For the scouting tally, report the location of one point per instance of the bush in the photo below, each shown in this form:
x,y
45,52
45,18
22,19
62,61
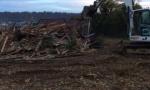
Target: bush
x,y
112,21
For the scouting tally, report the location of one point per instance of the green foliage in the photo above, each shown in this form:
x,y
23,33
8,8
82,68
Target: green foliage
x,y
71,42
137,6
112,21
47,42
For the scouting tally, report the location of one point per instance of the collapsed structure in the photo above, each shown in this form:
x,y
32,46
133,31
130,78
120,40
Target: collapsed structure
x,y
59,38
52,37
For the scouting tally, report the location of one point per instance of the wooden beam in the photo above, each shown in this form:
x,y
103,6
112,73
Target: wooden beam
x,y
4,44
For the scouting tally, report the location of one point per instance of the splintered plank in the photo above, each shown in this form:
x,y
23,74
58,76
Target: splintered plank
x,y
4,44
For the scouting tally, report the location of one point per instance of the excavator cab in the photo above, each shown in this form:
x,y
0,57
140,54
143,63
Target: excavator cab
x,y
139,32
141,26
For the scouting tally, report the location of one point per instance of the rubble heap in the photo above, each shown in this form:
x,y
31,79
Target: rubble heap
x,y
57,38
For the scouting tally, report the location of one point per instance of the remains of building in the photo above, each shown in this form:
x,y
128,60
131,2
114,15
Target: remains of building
x,y
49,39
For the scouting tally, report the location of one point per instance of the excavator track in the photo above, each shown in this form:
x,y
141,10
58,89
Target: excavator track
x,y
137,48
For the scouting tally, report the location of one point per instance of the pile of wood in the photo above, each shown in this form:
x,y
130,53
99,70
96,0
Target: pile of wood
x,y
56,38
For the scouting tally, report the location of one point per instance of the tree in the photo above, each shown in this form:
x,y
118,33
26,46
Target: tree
x,y
113,20
137,6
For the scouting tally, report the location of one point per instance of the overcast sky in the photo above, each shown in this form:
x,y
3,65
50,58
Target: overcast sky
x,y
44,5
49,5
145,3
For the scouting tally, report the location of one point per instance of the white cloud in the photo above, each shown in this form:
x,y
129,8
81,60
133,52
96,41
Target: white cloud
x,y
145,4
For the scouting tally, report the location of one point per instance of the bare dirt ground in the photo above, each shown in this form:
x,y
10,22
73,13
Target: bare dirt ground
x,y
101,70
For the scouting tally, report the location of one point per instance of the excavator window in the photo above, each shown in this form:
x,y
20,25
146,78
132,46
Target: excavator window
x,y
141,23
146,17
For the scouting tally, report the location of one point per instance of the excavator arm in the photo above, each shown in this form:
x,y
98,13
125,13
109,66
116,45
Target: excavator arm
x,y
90,11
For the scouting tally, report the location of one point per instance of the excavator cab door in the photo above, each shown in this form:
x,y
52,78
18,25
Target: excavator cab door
x,y
141,23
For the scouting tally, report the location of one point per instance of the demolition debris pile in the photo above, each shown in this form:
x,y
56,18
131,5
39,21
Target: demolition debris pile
x,y
55,38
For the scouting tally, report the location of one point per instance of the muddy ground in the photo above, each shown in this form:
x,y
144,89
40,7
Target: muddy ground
x,y
99,70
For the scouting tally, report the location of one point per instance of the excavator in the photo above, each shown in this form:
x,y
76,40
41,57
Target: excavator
x,y
138,25
138,29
